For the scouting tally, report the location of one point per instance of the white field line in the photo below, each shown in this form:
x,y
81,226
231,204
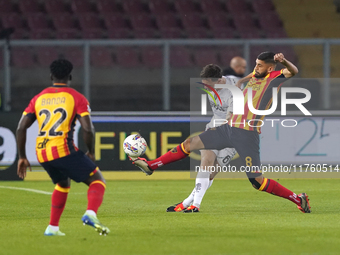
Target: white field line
x,y
25,189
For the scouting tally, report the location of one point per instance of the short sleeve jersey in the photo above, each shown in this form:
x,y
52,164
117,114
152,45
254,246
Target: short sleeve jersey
x,y
56,109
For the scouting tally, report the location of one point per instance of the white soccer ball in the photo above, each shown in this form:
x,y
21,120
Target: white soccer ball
x,y
134,145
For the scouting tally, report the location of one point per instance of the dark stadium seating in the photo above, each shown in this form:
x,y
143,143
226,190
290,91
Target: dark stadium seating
x,y
29,6
197,32
101,57
68,33
142,20
37,21
262,6
12,19
210,7
63,21
22,57
107,6
71,18
218,20
39,26
144,33
158,7
81,6
237,6
167,20
171,32
127,57
133,6
249,33
185,6
205,56
45,55
277,33
139,19
6,6
114,21
227,53
270,21
55,6
89,21
224,33
94,33
152,57
119,33
192,20
40,34
180,57
244,21
75,55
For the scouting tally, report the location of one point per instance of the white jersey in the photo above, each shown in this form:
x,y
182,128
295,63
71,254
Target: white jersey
x,y
221,111
225,155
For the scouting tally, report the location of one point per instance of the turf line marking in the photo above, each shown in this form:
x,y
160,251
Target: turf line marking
x,y
26,189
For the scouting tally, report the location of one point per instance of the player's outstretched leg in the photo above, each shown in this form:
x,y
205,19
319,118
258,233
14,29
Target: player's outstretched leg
x,y
201,186
273,187
58,202
177,153
203,180
95,196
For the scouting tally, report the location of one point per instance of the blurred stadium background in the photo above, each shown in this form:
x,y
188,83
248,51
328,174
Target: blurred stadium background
x,y
134,57
129,52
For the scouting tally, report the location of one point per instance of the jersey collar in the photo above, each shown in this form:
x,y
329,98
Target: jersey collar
x,y
59,85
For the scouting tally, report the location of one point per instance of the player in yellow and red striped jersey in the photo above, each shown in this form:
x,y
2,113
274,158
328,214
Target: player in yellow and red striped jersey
x,y
57,108
242,137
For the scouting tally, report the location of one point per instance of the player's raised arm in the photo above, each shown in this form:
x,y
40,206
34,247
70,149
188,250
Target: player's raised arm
x,y
24,123
290,69
243,80
88,135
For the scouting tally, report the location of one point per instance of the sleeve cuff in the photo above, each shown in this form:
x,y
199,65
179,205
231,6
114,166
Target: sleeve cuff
x,y
84,114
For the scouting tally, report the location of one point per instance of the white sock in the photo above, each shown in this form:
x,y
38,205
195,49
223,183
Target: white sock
x,y
202,184
53,228
91,213
189,199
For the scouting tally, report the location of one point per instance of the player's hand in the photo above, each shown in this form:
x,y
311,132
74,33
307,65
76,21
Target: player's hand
x,y
23,164
279,57
91,156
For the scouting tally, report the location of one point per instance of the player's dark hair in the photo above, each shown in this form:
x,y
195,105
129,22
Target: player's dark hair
x,y
61,69
267,57
211,71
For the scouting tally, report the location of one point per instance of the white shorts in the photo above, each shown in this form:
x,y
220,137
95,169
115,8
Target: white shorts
x,y
224,156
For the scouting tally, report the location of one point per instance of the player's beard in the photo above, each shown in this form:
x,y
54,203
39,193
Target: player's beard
x,y
261,75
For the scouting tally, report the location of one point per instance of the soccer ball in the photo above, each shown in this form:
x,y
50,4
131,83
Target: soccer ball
x,y
134,145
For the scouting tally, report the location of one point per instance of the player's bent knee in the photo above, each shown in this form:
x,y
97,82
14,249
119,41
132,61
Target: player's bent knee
x,y
255,183
186,145
97,176
193,143
65,183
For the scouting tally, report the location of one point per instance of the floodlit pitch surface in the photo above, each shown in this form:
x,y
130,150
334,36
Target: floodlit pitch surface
x,y
234,219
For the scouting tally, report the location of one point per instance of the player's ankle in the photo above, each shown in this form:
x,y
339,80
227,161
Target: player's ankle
x,y
91,213
53,228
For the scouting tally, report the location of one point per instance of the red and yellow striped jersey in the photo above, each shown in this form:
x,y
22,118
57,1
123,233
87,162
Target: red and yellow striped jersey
x,y
56,109
262,100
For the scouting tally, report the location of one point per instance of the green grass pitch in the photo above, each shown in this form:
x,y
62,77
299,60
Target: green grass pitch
x,y
234,219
